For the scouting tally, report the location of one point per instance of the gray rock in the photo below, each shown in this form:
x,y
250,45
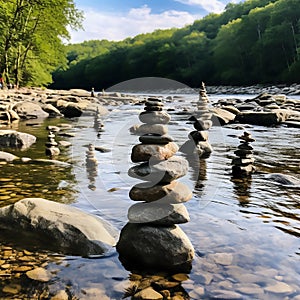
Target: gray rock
x,y
262,118
162,172
175,192
284,179
145,152
155,117
7,156
15,139
223,116
58,227
51,110
29,110
152,128
162,248
158,214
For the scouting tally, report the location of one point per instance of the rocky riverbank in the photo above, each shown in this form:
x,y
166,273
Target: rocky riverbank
x,y
293,89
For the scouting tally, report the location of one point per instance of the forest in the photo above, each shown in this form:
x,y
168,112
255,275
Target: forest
x,y
252,42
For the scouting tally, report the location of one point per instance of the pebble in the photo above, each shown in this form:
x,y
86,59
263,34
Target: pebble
x,y
39,274
279,288
224,259
12,289
148,294
61,295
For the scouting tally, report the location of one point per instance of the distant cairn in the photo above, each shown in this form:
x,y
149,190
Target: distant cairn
x,y
242,164
51,145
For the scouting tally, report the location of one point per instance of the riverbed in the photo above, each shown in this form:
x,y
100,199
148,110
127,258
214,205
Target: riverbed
x,y
245,232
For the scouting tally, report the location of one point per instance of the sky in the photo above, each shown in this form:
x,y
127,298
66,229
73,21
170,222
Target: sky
x,y
116,20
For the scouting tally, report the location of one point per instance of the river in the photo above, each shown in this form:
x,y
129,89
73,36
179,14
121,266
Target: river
x,y
245,233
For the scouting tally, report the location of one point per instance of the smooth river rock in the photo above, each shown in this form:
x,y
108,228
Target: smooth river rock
x,y
161,172
158,214
15,139
154,117
174,192
145,152
7,156
161,248
58,227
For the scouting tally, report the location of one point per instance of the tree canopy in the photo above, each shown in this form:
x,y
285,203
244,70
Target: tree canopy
x,y
31,38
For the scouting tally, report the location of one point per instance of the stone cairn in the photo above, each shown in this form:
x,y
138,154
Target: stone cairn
x,y
242,164
98,124
152,238
198,139
91,164
51,145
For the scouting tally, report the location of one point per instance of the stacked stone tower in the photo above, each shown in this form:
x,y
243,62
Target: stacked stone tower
x,y
152,237
98,124
91,164
243,162
51,146
198,139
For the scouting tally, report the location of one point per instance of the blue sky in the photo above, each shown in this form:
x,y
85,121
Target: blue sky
x,y
119,19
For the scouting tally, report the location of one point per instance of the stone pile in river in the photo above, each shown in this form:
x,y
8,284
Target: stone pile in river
x,y
91,164
51,146
98,124
152,237
243,162
198,139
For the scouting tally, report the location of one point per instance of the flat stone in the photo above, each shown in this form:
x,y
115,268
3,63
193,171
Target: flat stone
x,y
12,289
153,108
175,192
7,156
154,103
61,295
224,294
245,146
158,214
161,172
279,288
39,274
148,294
154,117
146,152
155,139
224,259
152,128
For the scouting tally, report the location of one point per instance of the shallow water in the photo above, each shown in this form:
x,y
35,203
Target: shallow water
x,y
245,233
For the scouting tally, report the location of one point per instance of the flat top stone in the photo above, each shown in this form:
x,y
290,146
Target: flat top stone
x,y
155,139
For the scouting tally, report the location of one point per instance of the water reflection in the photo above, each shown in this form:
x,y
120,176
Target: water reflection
x,y
241,188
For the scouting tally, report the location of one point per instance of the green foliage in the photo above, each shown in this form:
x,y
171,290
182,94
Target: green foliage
x,y
256,41
31,38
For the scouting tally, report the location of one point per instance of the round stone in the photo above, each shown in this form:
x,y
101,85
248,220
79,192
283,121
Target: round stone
x,y
145,152
175,192
155,247
155,117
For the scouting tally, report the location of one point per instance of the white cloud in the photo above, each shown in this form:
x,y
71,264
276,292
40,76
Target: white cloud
x,y
209,5
102,25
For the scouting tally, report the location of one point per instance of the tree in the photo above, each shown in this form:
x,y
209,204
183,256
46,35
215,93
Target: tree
x,y
31,38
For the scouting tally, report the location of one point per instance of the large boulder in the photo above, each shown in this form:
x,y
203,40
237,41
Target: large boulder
x,y
263,118
15,139
222,116
58,227
29,110
161,248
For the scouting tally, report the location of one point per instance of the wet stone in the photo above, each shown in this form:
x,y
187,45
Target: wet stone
x,y
152,128
245,146
202,125
145,152
12,289
154,117
198,136
161,172
153,108
154,103
148,294
279,288
175,192
39,274
158,214
155,139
